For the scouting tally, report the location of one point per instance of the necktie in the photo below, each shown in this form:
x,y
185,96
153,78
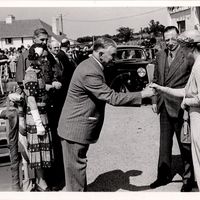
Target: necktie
x,y
59,63
56,58
167,64
170,58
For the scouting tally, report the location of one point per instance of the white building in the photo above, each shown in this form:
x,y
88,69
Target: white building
x,y
14,33
184,18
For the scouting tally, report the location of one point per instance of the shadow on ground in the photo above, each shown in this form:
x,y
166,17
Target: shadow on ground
x,y
115,180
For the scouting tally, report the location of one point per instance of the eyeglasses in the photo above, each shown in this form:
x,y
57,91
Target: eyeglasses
x,y
43,39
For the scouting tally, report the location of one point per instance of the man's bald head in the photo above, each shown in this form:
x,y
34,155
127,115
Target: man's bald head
x,y
55,47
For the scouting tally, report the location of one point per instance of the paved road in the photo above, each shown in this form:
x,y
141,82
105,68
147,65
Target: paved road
x,y
125,157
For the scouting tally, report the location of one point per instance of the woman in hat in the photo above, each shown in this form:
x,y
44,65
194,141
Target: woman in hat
x,y
191,94
37,127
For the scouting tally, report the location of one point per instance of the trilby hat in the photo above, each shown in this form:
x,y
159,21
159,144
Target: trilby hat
x,y
189,38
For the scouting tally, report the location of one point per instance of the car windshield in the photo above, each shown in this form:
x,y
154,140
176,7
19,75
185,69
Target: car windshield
x,y
127,54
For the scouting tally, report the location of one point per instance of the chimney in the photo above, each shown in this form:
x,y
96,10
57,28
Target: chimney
x,y
60,24
10,19
55,25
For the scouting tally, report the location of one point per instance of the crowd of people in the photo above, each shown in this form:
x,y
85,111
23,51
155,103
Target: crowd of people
x,y
10,57
57,109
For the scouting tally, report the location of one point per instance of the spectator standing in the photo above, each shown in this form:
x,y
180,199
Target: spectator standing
x,y
37,125
4,62
172,69
13,60
191,101
11,114
67,72
58,64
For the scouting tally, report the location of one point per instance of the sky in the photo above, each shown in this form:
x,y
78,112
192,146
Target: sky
x,y
95,19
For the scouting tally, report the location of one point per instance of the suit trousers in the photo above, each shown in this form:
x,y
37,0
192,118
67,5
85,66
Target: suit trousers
x,y
169,126
55,175
12,116
75,163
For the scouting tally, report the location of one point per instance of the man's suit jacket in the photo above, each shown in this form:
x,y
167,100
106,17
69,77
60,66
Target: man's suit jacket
x,y
177,77
67,69
83,112
22,64
63,71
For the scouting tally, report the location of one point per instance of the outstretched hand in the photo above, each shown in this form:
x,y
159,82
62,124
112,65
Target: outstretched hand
x,y
157,87
148,92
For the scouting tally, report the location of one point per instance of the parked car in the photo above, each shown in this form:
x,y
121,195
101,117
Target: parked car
x,y
131,70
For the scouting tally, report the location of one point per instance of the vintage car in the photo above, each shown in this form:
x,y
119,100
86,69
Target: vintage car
x,y
131,70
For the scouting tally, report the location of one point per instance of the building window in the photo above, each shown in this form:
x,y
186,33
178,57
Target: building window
x,y
181,26
9,40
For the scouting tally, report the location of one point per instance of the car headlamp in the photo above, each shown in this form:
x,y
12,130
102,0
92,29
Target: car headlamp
x,y
141,72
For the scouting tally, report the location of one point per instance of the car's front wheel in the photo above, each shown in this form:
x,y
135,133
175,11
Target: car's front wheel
x,y
121,83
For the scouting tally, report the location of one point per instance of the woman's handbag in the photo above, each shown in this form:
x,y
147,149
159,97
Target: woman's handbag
x,y
185,130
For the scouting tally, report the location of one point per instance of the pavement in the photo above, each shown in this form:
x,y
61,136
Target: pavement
x,y
125,157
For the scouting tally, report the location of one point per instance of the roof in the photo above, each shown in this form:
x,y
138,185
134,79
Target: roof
x,y
25,28
49,31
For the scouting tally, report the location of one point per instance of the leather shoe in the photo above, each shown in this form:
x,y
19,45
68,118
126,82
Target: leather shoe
x,y
186,188
56,188
159,182
40,189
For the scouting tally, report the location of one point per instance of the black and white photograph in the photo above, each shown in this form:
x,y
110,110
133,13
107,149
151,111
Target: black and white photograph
x,y
99,99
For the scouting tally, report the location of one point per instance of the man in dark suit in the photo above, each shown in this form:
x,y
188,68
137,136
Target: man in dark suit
x,y
172,69
83,112
63,71
67,72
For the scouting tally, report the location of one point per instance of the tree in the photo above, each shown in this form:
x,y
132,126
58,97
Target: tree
x,y
145,30
125,33
155,27
107,36
84,39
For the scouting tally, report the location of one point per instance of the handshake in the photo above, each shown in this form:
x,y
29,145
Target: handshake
x,y
153,89
148,91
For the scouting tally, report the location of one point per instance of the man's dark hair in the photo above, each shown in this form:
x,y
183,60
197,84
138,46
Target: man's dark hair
x,y
169,28
152,41
65,43
39,31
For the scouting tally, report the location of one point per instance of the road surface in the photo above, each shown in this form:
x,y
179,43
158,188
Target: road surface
x,y
125,157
